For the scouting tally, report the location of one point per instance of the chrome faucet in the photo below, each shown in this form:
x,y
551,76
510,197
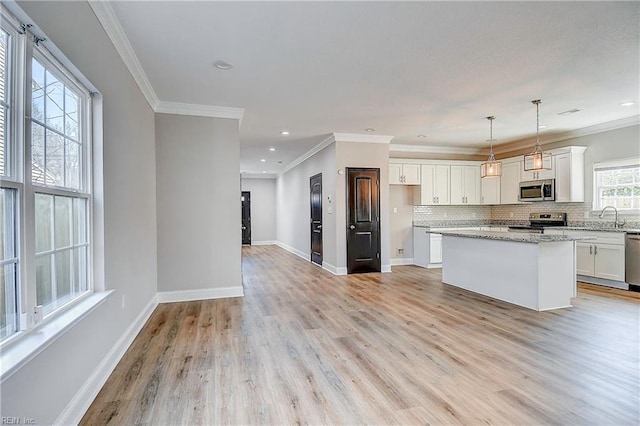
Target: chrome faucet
x,y
616,223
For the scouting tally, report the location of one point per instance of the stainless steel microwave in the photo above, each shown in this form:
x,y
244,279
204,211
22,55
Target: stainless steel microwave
x,y
538,190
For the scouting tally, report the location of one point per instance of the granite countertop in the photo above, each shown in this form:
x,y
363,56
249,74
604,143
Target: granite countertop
x,y
521,237
588,228
632,227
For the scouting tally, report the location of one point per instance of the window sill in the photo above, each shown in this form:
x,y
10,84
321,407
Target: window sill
x,y
30,343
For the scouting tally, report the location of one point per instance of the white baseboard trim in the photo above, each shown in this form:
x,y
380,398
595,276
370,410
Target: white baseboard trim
x,y
305,256
385,269
334,269
402,261
602,281
202,294
79,404
262,243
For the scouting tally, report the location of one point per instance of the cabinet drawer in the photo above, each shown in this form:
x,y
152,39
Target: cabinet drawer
x,y
603,237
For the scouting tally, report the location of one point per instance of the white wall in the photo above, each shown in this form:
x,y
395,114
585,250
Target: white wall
x,y
45,385
356,154
198,192
263,208
293,206
401,220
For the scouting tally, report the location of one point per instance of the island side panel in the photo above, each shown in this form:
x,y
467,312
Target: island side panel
x,y
504,270
557,269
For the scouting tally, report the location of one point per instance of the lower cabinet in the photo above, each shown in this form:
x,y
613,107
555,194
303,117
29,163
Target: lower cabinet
x,y
600,258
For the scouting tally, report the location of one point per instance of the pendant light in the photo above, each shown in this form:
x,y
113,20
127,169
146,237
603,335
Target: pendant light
x,y
491,168
538,159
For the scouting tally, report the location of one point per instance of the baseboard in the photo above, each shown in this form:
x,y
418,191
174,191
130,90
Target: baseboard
x,y
334,269
402,261
202,294
385,269
80,403
262,243
305,256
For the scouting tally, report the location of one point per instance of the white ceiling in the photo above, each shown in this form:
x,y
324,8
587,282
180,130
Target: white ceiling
x,y
401,68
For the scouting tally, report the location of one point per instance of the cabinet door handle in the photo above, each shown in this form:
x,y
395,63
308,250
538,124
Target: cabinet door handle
x,y
595,250
590,249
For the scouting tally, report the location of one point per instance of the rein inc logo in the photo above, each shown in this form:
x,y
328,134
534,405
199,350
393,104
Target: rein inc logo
x,y
17,421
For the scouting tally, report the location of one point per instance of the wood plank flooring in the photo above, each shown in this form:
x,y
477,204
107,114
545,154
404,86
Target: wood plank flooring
x,y
306,347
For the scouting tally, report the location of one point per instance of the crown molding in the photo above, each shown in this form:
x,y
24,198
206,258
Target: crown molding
x,y
355,137
621,123
313,151
437,149
164,107
109,21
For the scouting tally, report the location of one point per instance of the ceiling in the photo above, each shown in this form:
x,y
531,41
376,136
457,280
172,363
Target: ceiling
x,y
404,69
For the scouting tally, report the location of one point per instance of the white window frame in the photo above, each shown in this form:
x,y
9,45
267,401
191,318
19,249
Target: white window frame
x,y
23,49
612,165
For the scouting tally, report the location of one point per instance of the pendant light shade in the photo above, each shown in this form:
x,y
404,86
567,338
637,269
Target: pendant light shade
x,y
538,159
491,168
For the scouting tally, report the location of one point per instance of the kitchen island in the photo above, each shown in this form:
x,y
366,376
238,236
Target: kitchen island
x,y
535,271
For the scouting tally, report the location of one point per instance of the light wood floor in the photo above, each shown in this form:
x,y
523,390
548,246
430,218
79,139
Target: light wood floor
x,y
304,346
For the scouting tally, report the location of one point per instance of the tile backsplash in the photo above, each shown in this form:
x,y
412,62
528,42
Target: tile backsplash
x,y
576,213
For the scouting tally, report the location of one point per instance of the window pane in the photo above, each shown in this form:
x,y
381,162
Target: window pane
x,y
80,221
8,301
4,75
44,218
3,141
44,294
62,221
54,102
80,277
72,168
38,174
71,114
7,224
54,167
63,276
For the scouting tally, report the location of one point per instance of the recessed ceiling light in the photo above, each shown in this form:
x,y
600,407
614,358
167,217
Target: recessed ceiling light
x,y
421,136
272,149
222,65
284,133
628,103
369,129
264,171
263,160
542,126
571,111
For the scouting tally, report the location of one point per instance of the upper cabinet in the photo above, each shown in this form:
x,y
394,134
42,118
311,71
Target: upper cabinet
x,y
404,174
434,187
569,167
510,182
490,190
465,184
539,174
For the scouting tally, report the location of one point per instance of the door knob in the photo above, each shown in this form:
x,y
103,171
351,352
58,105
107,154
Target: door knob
x,y
319,226
244,227
352,227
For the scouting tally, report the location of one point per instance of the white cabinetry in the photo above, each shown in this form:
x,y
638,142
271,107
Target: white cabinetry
x,y
601,258
465,184
427,247
490,190
404,174
434,189
570,175
510,183
527,175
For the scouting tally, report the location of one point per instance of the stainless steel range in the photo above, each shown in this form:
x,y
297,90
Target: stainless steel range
x,y
539,221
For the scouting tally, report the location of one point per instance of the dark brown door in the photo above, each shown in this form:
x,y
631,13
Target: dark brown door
x,y
246,217
363,220
316,218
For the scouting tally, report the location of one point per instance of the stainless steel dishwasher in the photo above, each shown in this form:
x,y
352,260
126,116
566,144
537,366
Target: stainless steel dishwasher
x,y
632,260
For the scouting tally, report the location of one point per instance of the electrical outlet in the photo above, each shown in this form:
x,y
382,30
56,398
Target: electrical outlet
x,y
400,251
445,214
511,214
473,215
395,210
586,215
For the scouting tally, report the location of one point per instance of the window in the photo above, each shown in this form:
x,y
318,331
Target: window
x,y
45,196
617,184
